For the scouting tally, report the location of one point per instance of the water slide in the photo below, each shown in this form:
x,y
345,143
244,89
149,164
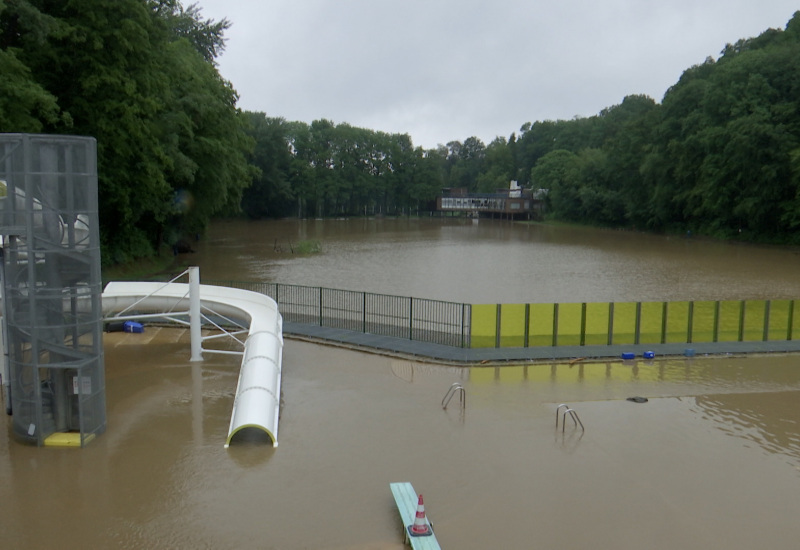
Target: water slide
x,y
257,402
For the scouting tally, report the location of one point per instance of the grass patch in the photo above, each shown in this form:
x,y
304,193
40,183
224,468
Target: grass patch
x,y
307,247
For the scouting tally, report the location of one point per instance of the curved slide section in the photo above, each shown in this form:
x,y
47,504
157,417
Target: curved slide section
x,y
257,402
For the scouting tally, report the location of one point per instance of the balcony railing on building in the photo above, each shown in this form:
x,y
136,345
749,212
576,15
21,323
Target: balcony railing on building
x,y
513,203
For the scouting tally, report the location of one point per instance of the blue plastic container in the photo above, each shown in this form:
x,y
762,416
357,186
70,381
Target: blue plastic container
x,y
132,326
649,354
628,355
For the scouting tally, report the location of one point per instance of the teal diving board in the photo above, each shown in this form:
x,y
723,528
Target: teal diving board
x,y
407,500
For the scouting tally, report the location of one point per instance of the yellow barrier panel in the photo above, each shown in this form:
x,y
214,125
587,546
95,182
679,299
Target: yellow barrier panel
x,y
512,325
677,321
596,324
651,323
624,323
704,320
484,326
754,320
540,325
779,319
569,324
578,324
728,323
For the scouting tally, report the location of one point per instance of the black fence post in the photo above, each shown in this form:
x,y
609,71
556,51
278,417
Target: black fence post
x,y
741,320
527,325
583,323
320,306
555,325
497,326
410,318
463,324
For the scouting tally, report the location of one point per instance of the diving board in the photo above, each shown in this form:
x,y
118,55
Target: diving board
x,y
407,499
257,401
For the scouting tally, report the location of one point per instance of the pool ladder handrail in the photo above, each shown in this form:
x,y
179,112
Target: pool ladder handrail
x,y
462,394
572,413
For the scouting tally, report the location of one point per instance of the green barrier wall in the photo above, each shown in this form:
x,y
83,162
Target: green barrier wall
x,y
624,323
541,321
586,324
597,319
484,326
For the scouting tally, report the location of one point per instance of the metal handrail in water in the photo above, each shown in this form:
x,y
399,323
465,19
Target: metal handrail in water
x,y
456,387
574,415
558,409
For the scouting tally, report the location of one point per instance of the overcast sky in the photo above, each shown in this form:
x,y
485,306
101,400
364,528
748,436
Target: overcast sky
x,y
444,70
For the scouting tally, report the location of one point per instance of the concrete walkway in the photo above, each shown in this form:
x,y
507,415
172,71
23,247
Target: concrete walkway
x,y
424,351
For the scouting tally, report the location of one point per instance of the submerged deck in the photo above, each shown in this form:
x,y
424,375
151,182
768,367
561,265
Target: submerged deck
x,y
449,354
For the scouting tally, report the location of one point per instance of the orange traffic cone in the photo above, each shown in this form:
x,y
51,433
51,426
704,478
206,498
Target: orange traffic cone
x,y
421,527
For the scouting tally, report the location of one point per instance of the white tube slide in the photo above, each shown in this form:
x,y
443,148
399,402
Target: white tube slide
x,y
257,402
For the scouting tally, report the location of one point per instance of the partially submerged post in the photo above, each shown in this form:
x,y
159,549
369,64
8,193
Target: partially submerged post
x,y
195,319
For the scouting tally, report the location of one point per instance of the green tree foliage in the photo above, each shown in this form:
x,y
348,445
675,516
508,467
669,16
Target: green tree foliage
x,y
325,169
558,171
271,192
465,163
138,75
25,106
499,167
719,156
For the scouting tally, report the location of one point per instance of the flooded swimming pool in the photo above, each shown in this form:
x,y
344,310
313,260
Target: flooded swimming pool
x,y
712,460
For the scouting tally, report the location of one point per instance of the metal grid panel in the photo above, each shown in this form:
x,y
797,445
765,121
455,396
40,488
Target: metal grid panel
x,y
299,304
388,315
52,285
440,322
342,309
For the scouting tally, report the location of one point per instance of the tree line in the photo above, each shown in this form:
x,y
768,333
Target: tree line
x,y
720,155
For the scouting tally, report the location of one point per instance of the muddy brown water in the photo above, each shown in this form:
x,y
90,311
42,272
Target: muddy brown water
x,y
495,262
712,460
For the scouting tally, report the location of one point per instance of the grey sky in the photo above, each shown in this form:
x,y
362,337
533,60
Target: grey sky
x,y
444,70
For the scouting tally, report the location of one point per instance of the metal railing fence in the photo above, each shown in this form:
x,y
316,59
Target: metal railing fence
x,y
420,319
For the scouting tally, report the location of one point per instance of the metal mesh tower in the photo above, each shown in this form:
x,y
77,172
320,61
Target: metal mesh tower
x,y
52,287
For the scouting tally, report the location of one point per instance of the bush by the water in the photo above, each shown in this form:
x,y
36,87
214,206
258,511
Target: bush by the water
x,y
307,247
